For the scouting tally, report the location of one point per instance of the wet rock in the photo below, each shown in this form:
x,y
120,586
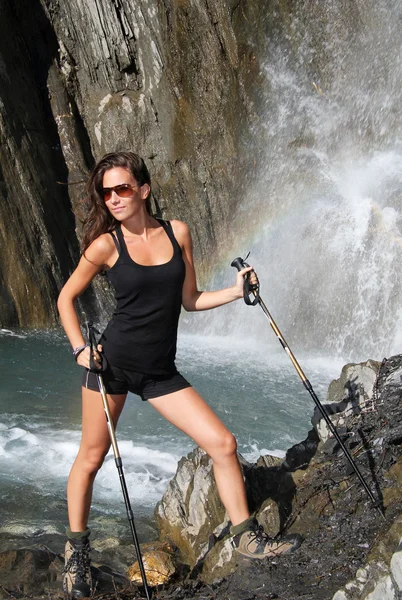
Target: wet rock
x,y
159,563
29,571
317,495
191,509
300,455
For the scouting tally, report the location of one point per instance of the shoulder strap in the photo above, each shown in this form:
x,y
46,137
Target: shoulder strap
x,y
116,241
167,226
123,248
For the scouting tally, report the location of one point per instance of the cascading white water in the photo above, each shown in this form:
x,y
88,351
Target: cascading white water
x,y
322,218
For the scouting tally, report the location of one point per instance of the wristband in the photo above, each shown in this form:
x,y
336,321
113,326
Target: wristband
x,y
77,351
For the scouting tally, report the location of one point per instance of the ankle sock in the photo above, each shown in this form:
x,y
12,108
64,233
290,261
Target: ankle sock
x,y
243,526
76,535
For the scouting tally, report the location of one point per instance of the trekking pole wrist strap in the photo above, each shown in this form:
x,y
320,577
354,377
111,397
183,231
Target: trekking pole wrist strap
x,y
248,288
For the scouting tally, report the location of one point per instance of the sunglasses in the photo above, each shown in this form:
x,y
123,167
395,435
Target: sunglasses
x,y
124,190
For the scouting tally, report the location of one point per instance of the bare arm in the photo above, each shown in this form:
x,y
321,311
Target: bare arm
x,y
194,299
96,258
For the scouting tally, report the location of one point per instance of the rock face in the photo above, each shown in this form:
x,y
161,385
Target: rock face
x,y
81,78
37,238
312,492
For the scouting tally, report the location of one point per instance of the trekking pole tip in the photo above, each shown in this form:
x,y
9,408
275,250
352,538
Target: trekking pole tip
x,y
380,509
379,506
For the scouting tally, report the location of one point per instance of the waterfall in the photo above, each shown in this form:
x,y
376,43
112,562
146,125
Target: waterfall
x,y
321,214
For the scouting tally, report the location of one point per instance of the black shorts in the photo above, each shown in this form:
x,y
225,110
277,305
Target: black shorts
x,y
118,381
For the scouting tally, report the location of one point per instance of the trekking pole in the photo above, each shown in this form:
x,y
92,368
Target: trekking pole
x,y
249,289
117,457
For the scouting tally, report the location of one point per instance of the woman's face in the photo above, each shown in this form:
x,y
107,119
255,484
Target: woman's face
x,y
122,194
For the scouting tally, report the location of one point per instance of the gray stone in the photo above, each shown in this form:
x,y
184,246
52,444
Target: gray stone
x,y
396,569
384,590
340,595
362,575
352,393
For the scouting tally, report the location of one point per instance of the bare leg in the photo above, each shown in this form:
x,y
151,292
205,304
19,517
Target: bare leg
x,y
189,412
95,443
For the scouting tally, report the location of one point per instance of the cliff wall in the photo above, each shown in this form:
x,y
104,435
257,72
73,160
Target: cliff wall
x,y
81,78
178,81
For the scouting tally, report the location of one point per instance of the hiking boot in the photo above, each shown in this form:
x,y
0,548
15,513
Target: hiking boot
x,y
255,543
77,581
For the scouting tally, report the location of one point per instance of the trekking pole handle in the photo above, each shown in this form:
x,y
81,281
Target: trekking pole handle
x,y
239,264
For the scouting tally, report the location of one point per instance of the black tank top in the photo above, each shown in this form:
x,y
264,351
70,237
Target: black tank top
x,y
142,334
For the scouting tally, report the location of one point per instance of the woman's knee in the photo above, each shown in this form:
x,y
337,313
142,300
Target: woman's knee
x,y
226,446
90,460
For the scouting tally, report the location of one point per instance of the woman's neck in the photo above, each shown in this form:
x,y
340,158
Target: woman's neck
x,y
138,225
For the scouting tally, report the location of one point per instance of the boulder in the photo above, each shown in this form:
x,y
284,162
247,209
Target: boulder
x,y
352,393
159,564
190,509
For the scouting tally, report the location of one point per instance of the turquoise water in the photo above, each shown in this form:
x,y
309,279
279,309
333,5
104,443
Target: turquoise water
x,y
255,391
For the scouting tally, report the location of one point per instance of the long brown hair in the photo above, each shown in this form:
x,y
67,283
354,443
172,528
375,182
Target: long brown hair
x,y
98,219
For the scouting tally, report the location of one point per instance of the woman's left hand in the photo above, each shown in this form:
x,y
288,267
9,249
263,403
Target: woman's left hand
x,y
239,286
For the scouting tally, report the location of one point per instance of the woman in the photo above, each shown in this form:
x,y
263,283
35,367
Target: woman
x,y
150,264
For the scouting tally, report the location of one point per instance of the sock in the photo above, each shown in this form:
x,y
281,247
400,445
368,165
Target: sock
x,y
243,526
76,535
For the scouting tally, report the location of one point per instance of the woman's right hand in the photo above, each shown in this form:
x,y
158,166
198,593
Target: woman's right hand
x,y
83,359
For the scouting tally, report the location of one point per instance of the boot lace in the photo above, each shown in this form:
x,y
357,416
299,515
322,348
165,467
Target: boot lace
x,y
261,536
78,564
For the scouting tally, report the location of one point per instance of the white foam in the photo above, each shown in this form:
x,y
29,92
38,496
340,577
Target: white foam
x,y
147,472
255,452
44,459
8,332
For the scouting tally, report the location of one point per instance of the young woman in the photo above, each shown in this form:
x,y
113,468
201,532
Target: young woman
x,y
150,265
